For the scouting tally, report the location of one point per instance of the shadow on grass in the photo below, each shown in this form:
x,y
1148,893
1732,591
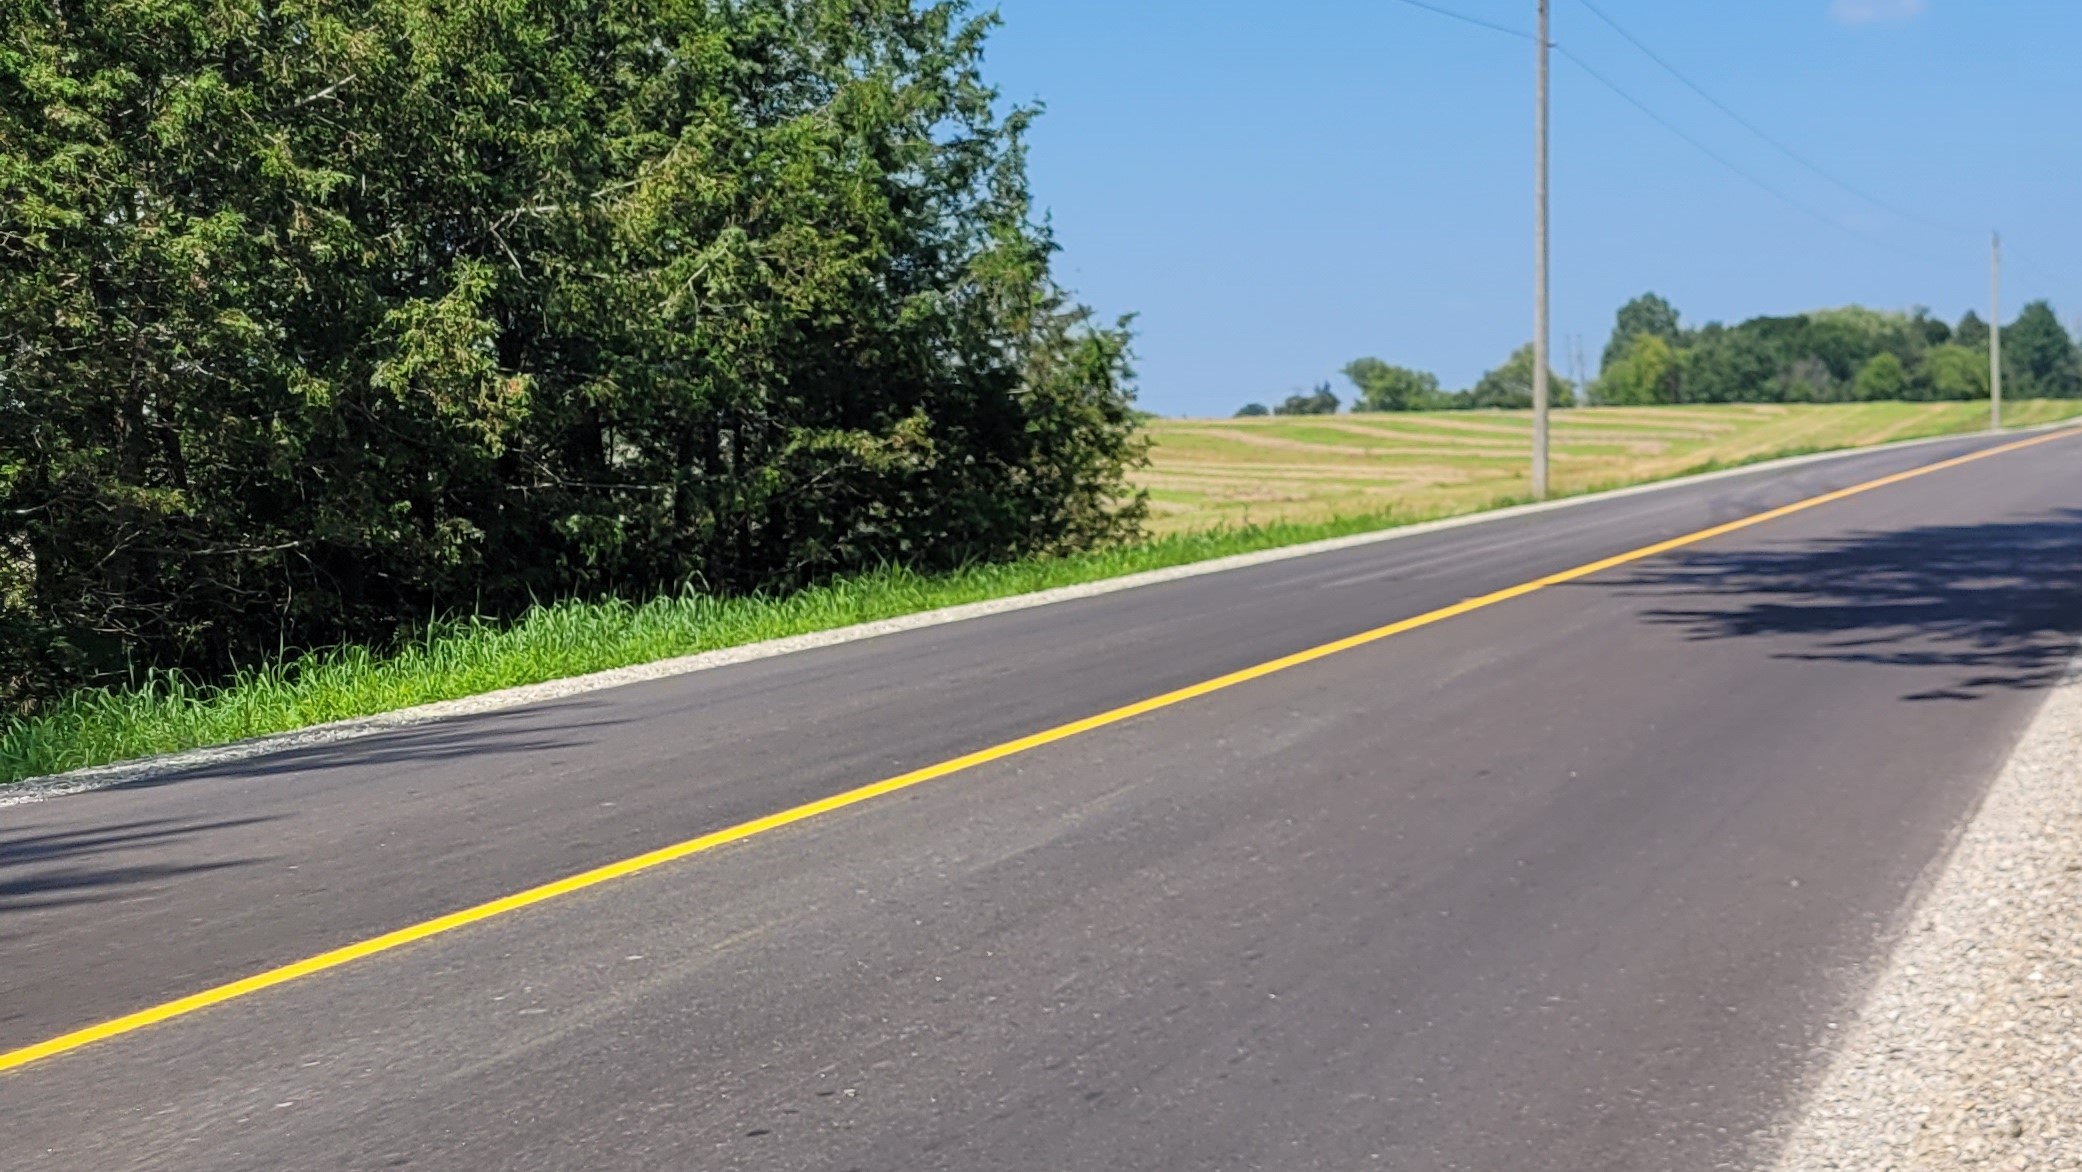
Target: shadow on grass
x,y
1971,608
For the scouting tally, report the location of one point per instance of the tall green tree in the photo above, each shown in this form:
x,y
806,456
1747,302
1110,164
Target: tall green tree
x,y
1385,387
2040,355
1646,314
1971,332
1648,372
319,318
1511,385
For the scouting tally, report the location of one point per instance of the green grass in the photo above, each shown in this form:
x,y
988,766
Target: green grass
x,y
168,713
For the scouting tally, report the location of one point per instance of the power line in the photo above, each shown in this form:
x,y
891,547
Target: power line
x,y
1723,160
1761,184
1759,131
2019,260
1477,21
1701,147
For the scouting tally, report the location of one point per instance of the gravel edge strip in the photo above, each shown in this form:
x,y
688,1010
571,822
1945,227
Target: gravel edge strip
x,y
102,776
1968,1050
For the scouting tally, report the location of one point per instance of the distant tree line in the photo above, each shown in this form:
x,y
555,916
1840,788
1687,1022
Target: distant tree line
x,y
1382,386
1831,356
1851,354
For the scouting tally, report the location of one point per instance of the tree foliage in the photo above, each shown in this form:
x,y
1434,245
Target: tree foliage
x,y
1321,401
1511,385
319,318
1383,387
1646,373
1950,371
1647,314
1843,354
1971,332
2039,356
1830,355
1883,377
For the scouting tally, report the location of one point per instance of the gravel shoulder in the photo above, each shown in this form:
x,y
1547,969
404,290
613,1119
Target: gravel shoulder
x,y
1968,1050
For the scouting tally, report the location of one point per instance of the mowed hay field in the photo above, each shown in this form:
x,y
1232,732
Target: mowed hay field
x,y
1216,473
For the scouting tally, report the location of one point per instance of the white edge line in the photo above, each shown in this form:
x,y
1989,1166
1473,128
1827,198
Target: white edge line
x,y
102,776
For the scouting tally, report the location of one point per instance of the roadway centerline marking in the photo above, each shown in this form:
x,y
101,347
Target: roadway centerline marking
x,y
181,1007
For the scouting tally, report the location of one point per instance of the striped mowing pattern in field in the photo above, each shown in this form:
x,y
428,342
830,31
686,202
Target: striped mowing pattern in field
x,y
1218,472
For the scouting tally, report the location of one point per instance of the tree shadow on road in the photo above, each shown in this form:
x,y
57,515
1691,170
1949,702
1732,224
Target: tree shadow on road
x,y
53,868
478,737
55,862
1981,607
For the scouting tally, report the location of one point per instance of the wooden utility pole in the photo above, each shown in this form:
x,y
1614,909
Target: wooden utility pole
x,y
1540,275
1995,332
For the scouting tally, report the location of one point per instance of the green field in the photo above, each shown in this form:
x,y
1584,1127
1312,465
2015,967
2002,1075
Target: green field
x,y
1206,473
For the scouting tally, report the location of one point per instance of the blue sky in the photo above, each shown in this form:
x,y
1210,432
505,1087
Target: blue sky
x,y
1279,188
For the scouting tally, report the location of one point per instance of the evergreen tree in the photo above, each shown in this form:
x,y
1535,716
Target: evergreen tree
x,y
2040,356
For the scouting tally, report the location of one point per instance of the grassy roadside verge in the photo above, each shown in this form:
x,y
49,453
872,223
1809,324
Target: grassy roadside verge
x,y
167,713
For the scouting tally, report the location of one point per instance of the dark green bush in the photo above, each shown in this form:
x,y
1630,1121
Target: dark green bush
x,y
320,318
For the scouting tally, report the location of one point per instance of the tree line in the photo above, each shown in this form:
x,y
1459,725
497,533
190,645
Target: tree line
x,y
1851,354
1382,386
320,320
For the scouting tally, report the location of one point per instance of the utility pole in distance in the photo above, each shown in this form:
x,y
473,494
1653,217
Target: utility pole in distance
x,y
1540,275
1995,332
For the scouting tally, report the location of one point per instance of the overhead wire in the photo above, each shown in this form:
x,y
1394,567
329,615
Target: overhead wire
x,y
1764,135
1477,21
1683,135
1762,185
1695,144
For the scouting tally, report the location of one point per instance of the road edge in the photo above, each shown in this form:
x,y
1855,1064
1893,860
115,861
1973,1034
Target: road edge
x,y
138,769
1966,1050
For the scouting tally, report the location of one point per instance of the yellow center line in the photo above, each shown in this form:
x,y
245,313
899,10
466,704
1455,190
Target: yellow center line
x,y
15,1059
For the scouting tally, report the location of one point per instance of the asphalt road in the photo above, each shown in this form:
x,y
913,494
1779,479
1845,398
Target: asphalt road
x,y
1580,880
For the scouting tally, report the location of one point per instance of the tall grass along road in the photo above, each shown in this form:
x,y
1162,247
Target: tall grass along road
x,y
1219,487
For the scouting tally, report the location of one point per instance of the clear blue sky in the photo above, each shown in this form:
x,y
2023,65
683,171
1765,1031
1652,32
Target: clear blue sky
x,y
1278,188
